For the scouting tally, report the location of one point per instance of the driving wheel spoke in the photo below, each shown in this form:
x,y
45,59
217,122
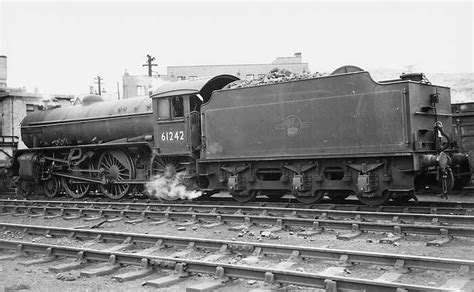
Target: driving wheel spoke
x,y
118,166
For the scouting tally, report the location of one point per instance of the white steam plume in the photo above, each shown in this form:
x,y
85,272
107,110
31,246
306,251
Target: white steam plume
x,y
170,188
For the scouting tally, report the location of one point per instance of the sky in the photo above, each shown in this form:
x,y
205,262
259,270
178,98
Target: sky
x,y
60,47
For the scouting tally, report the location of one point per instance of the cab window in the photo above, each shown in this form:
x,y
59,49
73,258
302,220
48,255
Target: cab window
x,y
163,108
177,106
172,107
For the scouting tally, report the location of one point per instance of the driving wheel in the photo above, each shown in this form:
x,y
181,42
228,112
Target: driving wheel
x,y
163,172
117,166
166,166
74,187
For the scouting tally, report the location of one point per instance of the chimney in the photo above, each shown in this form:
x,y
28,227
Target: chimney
x,y
3,71
298,55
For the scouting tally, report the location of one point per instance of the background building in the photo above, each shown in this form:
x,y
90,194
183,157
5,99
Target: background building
x,y
140,85
243,71
15,103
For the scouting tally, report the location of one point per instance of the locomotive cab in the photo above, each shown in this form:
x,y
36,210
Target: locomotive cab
x,y
177,118
176,113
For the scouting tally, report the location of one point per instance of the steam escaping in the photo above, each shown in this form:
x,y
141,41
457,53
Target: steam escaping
x,y
170,188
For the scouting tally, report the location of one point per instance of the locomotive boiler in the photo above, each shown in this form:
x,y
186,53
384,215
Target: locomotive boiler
x,y
94,121
330,136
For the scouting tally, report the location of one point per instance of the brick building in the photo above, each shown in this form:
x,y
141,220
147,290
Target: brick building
x,y
243,71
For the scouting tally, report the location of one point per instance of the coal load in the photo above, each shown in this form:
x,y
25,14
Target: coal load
x,y
274,76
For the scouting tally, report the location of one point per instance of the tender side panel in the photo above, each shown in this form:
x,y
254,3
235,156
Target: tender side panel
x,y
355,123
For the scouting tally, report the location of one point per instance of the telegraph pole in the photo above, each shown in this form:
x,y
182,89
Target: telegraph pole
x,y
98,84
149,64
118,91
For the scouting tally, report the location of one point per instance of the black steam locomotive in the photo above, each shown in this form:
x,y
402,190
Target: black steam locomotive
x,y
330,136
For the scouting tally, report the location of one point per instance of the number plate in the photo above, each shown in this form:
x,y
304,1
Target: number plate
x,y
170,136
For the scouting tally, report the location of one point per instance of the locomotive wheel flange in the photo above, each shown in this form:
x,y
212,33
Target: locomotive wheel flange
x,y
309,197
244,196
52,187
117,166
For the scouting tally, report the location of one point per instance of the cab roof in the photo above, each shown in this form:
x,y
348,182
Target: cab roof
x,y
204,86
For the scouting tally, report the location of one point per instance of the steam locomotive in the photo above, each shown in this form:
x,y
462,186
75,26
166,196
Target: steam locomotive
x,y
330,136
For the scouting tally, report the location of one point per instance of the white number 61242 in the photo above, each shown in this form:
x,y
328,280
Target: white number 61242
x,y
172,136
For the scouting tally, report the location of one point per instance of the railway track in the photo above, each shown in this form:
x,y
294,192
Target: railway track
x,y
403,216
422,207
357,222
249,266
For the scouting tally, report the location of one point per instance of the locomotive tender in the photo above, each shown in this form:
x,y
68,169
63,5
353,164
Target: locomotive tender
x,y
330,136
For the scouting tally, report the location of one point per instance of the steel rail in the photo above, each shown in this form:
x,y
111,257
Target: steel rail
x,y
256,210
197,266
456,207
399,228
422,207
350,256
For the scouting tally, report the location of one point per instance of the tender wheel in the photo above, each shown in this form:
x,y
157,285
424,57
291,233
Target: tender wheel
x,y
244,196
74,188
309,197
52,187
374,200
117,166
